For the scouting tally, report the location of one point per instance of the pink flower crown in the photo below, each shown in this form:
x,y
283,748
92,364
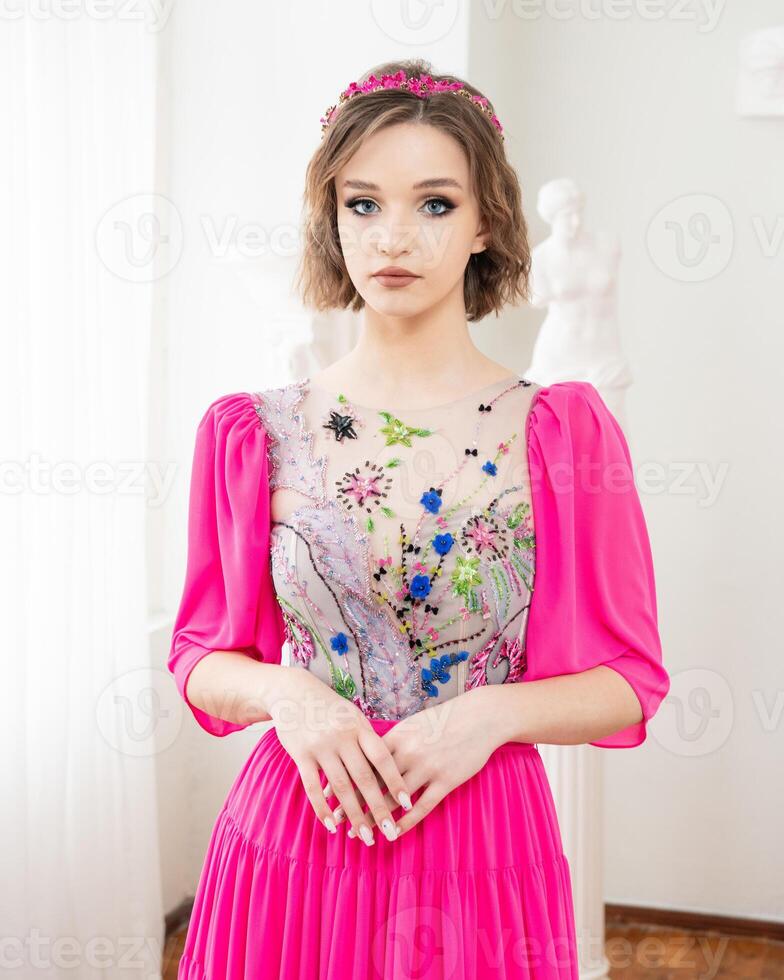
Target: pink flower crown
x,y
422,86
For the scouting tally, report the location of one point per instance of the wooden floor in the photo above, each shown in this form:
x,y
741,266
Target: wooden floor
x,y
638,952
641,952
171,955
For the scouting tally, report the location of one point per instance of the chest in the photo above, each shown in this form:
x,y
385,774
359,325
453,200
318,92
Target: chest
x,y
401,542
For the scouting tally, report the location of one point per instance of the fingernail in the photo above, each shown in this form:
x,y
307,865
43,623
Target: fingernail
x,y
327,790
405,800
366,834
330,824
390,832
339,814
352,832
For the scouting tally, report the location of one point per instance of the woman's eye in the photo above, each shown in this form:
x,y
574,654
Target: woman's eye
x,y
358,203
441,203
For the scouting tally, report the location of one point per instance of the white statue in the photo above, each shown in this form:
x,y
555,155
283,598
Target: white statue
x,y
574,275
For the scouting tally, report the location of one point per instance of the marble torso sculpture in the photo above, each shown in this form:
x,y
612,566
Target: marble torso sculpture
x,y
574,276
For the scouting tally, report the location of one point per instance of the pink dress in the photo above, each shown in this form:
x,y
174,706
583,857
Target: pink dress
x,y
405,556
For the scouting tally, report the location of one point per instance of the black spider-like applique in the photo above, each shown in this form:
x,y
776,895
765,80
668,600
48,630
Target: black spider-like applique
x,y
341,425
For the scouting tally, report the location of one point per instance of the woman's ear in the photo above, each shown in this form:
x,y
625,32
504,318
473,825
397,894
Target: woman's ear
x,y
481,239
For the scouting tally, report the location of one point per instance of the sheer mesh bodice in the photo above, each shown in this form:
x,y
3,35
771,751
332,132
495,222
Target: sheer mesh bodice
x,y
402,541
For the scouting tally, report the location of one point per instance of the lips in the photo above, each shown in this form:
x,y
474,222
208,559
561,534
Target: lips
x,y
396,270
395,276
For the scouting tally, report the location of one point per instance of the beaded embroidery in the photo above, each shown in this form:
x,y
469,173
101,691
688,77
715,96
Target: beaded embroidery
x,y
402,558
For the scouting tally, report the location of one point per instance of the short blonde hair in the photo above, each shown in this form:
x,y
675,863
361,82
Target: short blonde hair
x,y
498,275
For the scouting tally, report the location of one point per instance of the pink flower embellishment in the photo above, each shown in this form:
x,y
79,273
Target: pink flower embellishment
x,y
482,534
362,487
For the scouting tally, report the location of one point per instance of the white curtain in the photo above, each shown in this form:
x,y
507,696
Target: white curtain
x,y
80,894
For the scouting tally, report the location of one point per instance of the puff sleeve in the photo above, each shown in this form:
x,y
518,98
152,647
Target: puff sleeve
x,y
594,597
228,599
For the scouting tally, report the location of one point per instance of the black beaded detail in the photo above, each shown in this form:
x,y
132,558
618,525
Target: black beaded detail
x,y
341,425
471,452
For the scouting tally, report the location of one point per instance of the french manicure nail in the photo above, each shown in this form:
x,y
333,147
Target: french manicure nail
x,y
339,814
390,832
405,800
352,832
366,834
330,824
327,790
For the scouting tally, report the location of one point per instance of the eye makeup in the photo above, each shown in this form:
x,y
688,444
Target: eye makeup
x,y
443,201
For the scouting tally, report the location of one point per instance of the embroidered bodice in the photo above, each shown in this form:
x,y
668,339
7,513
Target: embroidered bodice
x,y
402,545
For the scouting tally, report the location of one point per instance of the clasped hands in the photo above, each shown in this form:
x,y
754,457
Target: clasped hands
x,y
371,775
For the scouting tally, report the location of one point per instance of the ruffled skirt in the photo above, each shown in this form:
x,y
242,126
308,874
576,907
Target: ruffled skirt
x,y
478,889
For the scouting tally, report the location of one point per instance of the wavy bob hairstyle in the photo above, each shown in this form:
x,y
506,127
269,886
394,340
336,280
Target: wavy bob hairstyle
x,y
493,277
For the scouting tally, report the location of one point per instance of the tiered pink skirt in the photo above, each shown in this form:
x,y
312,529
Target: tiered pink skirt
x,y
479,889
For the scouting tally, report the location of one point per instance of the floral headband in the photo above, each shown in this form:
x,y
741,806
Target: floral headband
x,y
422,86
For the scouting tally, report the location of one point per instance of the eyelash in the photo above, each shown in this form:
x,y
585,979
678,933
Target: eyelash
x,y
448,206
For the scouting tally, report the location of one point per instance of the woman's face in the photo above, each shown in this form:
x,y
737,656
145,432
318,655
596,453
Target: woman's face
x,y
404,200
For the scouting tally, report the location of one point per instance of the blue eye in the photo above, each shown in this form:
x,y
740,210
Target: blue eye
x,y
360,200
439,200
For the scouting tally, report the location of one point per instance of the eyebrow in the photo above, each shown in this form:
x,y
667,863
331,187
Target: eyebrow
x,y
366,185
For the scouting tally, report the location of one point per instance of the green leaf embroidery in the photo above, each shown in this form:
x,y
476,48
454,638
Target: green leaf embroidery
x,y
465,574
398,432
517,515
343,683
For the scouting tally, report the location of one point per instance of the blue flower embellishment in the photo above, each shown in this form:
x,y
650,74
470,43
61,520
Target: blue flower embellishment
x,y
439,671
490,467
420,586
431,500
443,542
339,643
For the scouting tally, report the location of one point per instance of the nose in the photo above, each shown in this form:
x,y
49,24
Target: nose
x,y
395,238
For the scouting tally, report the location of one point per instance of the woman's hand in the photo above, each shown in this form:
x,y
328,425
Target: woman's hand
x,y
441,747
320,729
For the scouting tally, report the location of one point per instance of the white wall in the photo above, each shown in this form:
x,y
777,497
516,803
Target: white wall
x,y
641,112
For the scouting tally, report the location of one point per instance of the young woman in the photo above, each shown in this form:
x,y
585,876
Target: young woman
x,y
456,562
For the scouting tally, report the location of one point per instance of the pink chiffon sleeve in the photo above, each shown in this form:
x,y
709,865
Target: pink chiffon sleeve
x,y
228,599
594,598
